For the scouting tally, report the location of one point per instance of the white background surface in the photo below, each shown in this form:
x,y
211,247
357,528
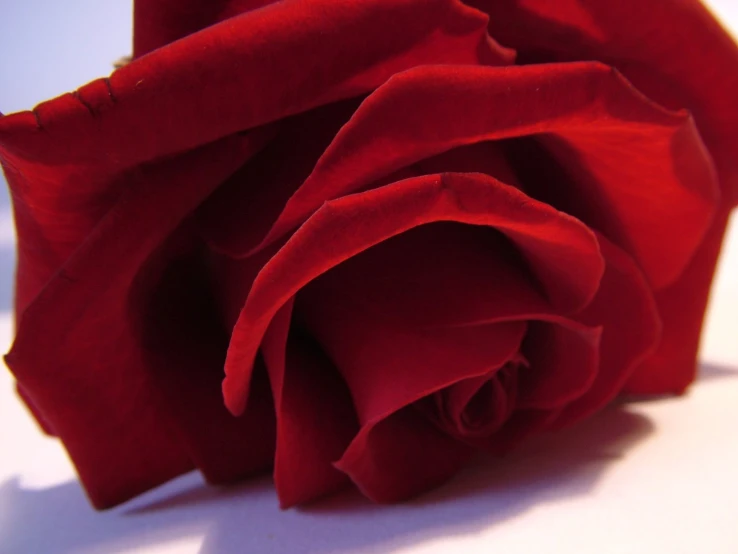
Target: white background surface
x,y
655,477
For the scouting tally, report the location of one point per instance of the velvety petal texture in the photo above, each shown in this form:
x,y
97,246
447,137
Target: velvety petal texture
x,y
678,55
550,241
356,243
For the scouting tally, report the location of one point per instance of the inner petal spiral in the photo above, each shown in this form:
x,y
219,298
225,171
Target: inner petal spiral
x,y
477,407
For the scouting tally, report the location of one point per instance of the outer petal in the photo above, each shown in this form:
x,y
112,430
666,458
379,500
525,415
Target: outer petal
x,y
68,158
640,174
80,353
673,51
159,22
550,241
38,416
682,308
145,109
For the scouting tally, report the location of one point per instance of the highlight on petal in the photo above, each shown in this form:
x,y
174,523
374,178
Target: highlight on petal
x,y
549,241
674,52
673,366
641,174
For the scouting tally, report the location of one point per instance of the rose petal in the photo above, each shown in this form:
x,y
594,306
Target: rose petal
x,y
563,362
678,55
675,52
92,379
401,456
35,412
473,409
627,184
247,204
222,216
315,417
70,156
681,304
625,309
439,275
550,241
159,22
489,158
353,311
240,74
302,140
387,368
58,204
682,308
404,312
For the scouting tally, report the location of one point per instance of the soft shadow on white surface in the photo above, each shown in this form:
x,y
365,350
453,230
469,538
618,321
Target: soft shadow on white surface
x,y
245,518
711,370
7,249
7,276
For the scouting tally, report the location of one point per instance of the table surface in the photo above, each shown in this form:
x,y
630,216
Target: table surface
x,y
651,477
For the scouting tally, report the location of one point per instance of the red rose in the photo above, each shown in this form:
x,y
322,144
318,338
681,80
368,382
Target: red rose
x,y
409,230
